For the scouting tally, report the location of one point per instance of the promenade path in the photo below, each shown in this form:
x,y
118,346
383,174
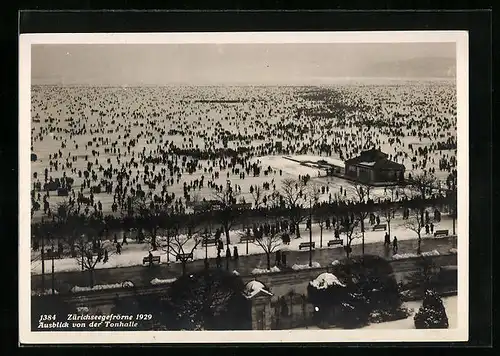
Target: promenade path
x,y
142,275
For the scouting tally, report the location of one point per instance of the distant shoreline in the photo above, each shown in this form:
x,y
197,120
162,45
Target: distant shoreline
x,y
339,81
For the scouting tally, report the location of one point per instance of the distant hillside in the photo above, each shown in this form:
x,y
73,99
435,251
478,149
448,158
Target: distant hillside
x,y
414,68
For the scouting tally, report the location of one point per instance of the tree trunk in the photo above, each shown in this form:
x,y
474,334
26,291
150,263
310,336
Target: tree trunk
x,y
183,268
153,239
362,236
268,257
297,230
226,230
419,243
91,277
389,227
321,236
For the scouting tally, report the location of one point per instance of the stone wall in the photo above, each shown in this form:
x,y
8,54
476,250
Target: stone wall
x,y
283,282
280,284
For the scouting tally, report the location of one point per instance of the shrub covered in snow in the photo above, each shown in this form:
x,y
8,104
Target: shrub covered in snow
x,y
432,314
353,312
207,300
453,250
297,267
264,271
157,281
336,263
325,280
369,287
236,273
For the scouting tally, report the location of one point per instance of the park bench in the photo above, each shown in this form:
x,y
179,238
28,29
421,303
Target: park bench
x,y
52,254
155,260
307,245
335,242
247,238
184,256
441,233
380,227
208,242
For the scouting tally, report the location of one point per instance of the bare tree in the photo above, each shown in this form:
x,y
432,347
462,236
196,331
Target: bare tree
x,y
351,234
182,246
361,194
274,200
269,244
421,186
256,195
150,213
415,224
226,198
293,192
85,257
451,195
390,207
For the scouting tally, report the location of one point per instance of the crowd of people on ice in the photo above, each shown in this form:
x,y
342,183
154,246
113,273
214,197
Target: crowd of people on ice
x,y
102,148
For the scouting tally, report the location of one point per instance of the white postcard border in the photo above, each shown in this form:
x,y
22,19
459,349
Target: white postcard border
x,y
26,336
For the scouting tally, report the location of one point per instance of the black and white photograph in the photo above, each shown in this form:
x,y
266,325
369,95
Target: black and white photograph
x,y
284,186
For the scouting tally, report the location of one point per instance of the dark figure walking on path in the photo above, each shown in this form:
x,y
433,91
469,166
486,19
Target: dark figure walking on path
x,y
124,241
427,229
150,259
228,253
278,257
387,239
235,253
283,259
395,245
218,260
432,228
106,257
118,248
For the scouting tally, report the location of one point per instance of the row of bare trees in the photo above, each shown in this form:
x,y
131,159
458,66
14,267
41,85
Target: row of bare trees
x,y
179,236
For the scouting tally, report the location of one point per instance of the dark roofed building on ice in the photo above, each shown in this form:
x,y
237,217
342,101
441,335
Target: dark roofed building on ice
x,y
373,166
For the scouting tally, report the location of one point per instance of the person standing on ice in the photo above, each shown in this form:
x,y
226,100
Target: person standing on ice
x,y
235,253
118,248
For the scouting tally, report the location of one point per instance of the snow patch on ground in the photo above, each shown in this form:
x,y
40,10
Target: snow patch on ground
x,y
301,267
325,280
157,281
264,271
78,289
336,263
453,250
236,273
45,292
403,256
82,310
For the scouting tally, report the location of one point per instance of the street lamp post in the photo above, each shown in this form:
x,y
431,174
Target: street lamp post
x,y
310,233
52,257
